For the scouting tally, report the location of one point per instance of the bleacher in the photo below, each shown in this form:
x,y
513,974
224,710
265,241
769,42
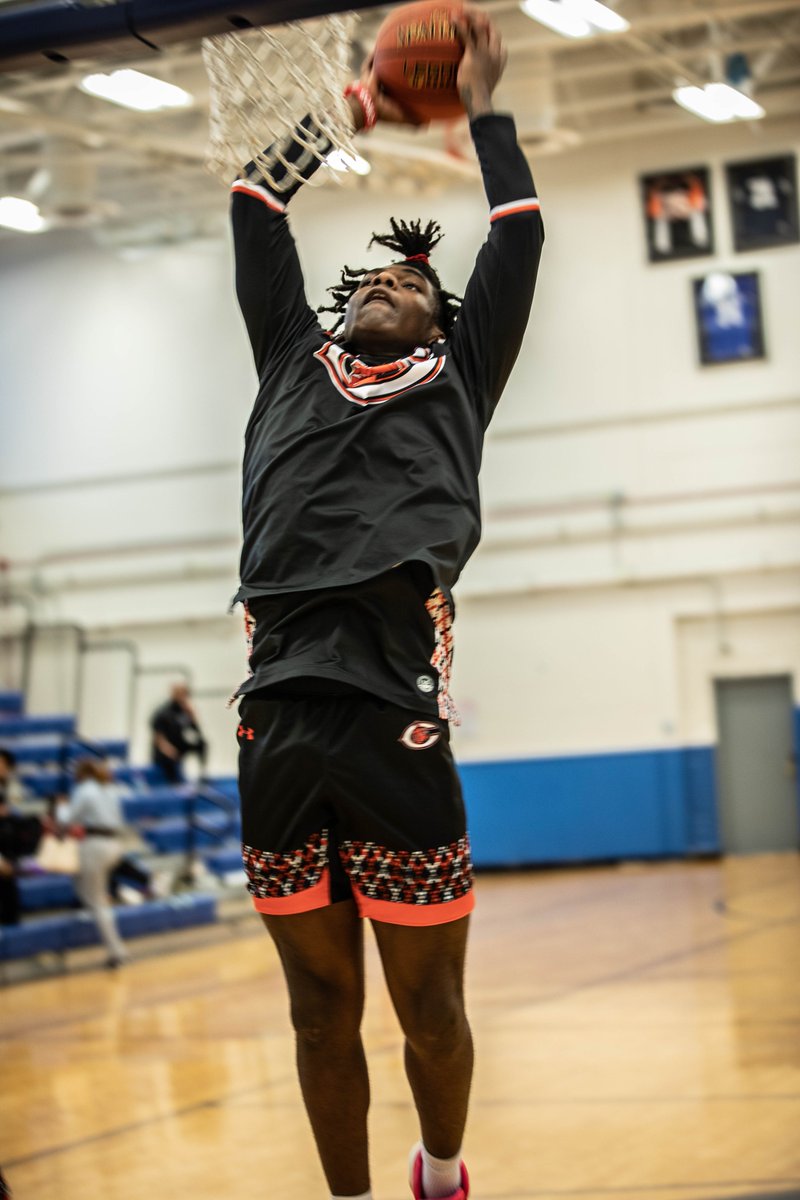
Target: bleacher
x,y
197,822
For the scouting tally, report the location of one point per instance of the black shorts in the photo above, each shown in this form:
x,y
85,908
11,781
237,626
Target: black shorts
x,y
351,797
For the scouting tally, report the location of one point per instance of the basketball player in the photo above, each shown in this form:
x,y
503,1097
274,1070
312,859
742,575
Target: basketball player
x,y
360,509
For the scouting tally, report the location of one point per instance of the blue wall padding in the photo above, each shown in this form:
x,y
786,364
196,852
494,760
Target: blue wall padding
x,y
642,804
588,807
647,804
700,789
11,703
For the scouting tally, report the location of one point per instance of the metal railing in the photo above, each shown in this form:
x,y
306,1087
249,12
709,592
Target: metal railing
x,y
27,639
205,791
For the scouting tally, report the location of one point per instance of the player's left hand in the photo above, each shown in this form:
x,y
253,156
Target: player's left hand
x,y
483,62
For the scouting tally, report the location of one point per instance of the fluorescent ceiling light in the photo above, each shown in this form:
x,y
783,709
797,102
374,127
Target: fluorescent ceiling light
x,y
19,214
600,16
575,18
133,89
718,102
348,162
557,16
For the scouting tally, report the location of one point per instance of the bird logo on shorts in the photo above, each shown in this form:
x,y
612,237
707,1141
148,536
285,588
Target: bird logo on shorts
x,y
419,735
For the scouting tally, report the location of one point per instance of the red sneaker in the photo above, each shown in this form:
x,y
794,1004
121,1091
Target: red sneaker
x,y
415,1179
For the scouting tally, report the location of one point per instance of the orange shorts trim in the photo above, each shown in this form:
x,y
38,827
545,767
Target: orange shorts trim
x,y
392,913
318,896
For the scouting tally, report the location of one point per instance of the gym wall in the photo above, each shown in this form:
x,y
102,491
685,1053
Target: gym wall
x,y
642,520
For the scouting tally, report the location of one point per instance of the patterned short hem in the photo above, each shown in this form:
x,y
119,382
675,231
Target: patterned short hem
x,y
318,896
392,912
400,887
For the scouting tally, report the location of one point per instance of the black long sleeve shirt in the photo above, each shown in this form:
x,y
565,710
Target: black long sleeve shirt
x,y
355,466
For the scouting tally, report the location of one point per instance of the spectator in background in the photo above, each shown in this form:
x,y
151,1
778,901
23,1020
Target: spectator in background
x,y
9,890
95,808
11,790
176,734
20,834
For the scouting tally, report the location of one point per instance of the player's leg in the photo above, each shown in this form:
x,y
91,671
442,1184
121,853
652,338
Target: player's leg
x,y
322,954
405,848
304,898
424,969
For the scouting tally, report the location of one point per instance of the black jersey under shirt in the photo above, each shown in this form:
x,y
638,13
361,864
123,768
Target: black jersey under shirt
x,y
356,466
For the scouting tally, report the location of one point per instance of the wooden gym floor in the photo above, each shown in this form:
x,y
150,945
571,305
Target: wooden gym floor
x,y
637,1028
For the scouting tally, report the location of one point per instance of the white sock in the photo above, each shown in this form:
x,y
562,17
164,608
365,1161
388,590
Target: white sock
x,y
440,1176
363,1196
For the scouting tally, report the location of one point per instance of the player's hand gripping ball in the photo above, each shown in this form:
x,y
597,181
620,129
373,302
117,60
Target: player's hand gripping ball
x,y
418,50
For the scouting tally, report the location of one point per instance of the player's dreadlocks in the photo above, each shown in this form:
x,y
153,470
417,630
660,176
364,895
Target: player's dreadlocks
x,y
415,244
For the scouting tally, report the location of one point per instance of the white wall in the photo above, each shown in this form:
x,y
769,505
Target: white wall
x,y
628,490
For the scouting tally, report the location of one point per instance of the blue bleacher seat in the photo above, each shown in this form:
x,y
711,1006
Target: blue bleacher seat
x,y
39,753
177,800
14,727
68,932
164,801
138,777
109,747
171,836
33,937
47,782
46,891
11,703
43,783
225,861
45,752
46,747
227,785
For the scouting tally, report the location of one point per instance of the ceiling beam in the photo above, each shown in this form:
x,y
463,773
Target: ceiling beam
x,y
785,103
612,66
670,19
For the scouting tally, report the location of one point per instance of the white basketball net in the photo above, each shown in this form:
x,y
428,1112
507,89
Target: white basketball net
x,y
263,81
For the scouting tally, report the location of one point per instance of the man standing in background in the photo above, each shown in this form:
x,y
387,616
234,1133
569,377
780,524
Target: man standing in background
x,y
176,734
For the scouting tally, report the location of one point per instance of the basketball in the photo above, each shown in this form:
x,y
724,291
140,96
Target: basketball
x,y
417,53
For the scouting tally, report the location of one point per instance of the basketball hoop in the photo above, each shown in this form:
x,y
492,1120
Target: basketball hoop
x,y
264,81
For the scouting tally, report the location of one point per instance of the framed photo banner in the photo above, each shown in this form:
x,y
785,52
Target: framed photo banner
x,y
727,311
763,199
677,214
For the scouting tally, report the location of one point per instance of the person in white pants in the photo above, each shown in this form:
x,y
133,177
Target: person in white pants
x,y
95,807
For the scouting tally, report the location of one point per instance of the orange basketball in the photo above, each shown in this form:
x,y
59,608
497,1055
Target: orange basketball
x,y
417,53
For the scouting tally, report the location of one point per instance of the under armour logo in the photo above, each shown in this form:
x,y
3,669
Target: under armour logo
x,y
244,731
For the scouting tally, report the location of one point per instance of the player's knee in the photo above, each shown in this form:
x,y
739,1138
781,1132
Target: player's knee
x,y
327,1013
433,1023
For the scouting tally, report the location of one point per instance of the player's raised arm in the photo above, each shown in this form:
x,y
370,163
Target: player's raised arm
x,y
497,301
269,280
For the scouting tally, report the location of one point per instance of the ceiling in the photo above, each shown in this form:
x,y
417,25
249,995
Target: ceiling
x,y
134,177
